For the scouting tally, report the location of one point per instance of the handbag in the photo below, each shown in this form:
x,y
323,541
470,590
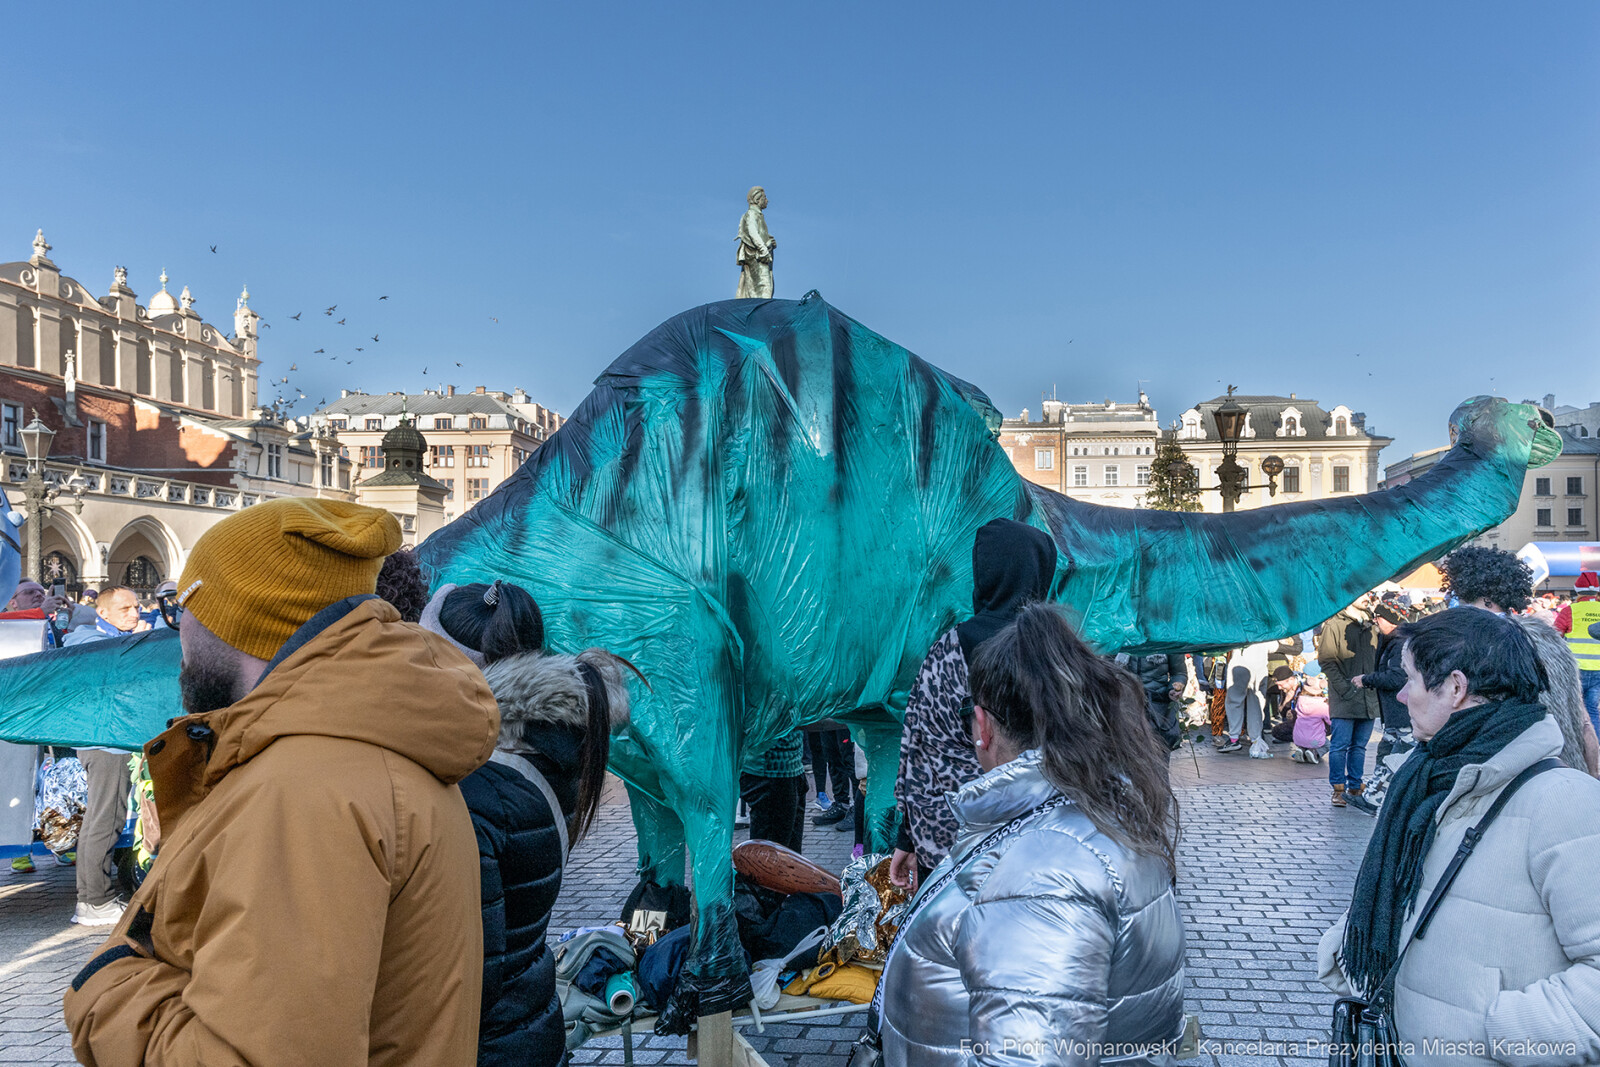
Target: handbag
x,y
868,1049
1363,1031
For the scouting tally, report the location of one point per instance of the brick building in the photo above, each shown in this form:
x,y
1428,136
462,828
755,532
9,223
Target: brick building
x,y
155,424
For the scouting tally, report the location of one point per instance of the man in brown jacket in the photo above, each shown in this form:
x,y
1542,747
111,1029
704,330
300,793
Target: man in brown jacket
x,y
316,899
1347,648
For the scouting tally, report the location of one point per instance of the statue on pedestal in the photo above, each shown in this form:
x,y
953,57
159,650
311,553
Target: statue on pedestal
x,y
755,250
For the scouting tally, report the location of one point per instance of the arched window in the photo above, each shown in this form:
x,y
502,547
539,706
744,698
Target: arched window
x,y
144,369
108,356
141,575
27,330
1341,427
208,385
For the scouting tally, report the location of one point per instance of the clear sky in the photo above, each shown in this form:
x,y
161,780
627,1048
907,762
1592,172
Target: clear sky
x,y
1076,196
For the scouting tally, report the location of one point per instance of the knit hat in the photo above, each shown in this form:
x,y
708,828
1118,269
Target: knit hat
x,y
256,577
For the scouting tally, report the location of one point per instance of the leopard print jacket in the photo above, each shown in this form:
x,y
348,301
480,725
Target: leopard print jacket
x,y
936,754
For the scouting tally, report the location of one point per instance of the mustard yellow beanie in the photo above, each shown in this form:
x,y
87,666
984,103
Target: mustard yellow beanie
x,y
255,578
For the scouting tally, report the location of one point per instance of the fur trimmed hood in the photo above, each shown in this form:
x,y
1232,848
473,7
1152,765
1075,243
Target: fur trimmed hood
x,y
537,688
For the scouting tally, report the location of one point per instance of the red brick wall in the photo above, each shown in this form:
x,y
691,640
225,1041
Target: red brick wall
x,y
137,436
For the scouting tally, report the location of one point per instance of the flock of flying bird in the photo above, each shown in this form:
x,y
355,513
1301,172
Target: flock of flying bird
x,y
281,402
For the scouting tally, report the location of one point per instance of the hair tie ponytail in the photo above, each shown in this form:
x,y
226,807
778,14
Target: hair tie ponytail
x,y
491,595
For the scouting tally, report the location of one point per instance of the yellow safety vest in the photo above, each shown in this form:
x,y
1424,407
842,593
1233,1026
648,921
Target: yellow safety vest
x,y
1586,648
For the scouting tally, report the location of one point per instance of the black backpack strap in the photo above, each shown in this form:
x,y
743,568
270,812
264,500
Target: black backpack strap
x,y
1473,836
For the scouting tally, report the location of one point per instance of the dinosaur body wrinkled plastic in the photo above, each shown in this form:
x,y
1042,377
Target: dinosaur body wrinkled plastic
x,y
769,509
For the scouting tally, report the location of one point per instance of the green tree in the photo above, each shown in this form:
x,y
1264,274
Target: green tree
x,y
1169,493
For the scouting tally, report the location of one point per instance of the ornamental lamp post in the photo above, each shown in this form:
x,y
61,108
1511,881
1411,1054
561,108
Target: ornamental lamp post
x,y
1230,418
38,495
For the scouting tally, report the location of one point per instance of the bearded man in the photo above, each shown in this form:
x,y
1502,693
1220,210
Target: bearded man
x,y
317,895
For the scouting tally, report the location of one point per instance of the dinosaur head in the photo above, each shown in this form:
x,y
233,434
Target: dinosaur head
x,y
1523,435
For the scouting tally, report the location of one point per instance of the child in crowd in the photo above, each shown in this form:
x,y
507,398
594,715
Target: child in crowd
x,y
1311,721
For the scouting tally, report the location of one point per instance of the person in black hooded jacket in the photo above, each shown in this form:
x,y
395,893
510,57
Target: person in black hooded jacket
x,y
1013,565
537,794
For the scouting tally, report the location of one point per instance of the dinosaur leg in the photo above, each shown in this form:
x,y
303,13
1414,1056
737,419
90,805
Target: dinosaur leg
x,y
880,740
660,834
704,793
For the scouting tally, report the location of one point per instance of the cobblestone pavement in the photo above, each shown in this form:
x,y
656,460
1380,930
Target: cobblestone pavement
x,y
1266,867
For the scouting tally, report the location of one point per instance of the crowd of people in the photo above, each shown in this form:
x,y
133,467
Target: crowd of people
x,y
375,790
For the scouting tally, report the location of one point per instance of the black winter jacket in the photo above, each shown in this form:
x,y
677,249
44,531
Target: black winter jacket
x,y
1388,680
1158,673
543,713
519,859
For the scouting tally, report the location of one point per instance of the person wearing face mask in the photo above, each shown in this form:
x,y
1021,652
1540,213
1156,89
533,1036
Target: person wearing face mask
x,y
1505,969
1051,933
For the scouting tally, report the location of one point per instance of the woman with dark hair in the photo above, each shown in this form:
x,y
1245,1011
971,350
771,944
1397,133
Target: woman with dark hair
x,y
536,796
1053,919
1507,971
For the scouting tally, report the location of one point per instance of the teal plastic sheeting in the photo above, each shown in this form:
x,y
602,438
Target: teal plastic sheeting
x,y
770,510
116,693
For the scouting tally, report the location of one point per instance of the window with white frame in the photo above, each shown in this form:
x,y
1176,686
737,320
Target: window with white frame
x,y
1341,479
1080,477
1044,459
274,461
97,441
327,469
477,455
1291,479
374,424
1113,474
10,425
444,424
1141,474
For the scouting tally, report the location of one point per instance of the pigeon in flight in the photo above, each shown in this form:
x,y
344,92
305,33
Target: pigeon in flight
x,y
424,372
319,352
296,315
360,349
383,298
492,317
458,363
374,337
213,249
294,366
331,310
340,322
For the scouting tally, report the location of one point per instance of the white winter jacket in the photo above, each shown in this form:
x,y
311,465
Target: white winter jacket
x,y
1509,971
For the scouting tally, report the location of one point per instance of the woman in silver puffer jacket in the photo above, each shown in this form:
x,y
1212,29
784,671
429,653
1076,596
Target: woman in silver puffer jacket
x,y
1051,934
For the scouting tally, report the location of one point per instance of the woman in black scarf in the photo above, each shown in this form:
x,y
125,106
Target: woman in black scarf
x,y
1496,963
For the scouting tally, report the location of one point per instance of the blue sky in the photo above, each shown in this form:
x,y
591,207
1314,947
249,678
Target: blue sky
x,y
1072,195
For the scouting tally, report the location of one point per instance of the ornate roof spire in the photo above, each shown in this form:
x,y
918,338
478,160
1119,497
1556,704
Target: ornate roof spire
x,y
163,279
185,299
41,247
244,297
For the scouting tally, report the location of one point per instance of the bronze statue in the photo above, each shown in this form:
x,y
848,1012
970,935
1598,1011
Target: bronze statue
x,y
755,249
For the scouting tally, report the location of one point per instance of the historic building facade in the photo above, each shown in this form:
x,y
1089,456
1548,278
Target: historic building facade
x,y
1100,453
156,433
475,440
1326,452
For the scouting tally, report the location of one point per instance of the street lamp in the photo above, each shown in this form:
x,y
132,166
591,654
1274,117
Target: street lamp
x,y
1230,418
38,495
